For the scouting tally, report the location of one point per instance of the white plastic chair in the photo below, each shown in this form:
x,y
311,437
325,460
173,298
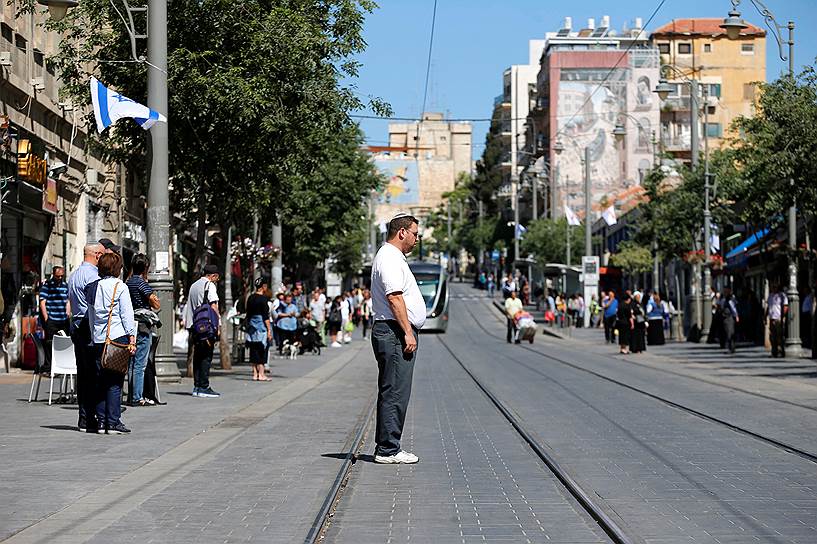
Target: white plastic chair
x,y
63,363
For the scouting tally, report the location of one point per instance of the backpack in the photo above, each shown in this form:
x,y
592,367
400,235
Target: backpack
x,y
334,314
726,311
205,319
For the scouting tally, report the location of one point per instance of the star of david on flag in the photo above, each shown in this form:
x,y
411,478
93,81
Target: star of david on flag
x,y
110,107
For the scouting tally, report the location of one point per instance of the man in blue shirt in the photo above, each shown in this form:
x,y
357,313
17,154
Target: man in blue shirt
x,y
610,305
54,306
286,319
81,336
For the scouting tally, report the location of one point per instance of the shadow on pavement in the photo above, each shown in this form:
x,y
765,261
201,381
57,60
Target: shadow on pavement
x,y
72,428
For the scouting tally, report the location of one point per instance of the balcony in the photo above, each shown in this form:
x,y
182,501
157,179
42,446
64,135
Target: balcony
x,y
501,102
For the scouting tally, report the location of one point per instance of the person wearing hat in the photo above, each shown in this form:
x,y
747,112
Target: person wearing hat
x,y
399,312
202,289
258,329
109,246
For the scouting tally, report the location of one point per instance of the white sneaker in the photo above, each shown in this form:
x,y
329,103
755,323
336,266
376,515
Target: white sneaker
x,y
336,344
401,457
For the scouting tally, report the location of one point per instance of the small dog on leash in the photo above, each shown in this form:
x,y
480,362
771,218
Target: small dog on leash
x,y
291,349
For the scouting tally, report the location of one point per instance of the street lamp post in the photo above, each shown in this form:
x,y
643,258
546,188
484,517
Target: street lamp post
x,y
733,24
663,89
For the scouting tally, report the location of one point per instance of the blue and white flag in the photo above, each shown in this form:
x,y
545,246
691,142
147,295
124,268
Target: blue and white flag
x,y
110,107
520,231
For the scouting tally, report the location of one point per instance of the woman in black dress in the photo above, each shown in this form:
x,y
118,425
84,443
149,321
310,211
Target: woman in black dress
x,y
258,330
624,323
638,342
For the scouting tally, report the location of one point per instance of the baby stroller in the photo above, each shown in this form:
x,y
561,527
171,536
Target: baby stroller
x,y
309,339
525,326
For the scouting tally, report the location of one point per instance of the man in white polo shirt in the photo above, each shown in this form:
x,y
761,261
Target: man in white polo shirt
x,y
399,312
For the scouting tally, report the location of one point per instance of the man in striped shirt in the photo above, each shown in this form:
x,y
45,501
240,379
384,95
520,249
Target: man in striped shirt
x,y
54,306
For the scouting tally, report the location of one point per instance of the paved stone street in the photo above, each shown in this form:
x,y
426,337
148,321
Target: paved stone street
x,y
257,464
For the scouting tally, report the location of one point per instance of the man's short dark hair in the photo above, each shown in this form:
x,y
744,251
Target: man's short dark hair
x,y
401,222
139,264
110,265
54,269
209,269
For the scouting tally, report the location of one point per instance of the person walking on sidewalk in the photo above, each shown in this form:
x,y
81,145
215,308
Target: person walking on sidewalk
x,y
655,321
610,307
203,294
366,311
777,307
512,305
81,336
625,323
399,313
729,314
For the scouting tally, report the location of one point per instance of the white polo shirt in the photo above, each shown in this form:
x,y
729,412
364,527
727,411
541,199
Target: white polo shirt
x,y
391,274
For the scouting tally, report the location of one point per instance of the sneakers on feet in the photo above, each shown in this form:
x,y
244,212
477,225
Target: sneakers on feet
x,y
336,344
401,457
82,426
119,428
208,393
195,392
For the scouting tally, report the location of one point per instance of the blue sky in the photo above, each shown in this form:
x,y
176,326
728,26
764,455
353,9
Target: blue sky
x,y
475,40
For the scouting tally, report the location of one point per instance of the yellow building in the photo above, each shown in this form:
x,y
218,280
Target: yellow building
x,y
727,69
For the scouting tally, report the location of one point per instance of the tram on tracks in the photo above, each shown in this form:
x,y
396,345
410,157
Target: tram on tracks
x,y
432,279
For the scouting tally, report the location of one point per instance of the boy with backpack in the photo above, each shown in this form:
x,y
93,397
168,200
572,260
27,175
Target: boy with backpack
x,y
201,319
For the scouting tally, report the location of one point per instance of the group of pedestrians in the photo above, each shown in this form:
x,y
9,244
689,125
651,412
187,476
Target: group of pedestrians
x,y
632,322
106,314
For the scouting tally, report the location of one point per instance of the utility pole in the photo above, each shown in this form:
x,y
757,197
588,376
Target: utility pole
x,y
554,184
706,301
481,259
159,242
278,263
588,229
515,183
793,344
535,189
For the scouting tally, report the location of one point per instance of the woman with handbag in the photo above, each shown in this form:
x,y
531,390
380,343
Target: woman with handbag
x,y
113,330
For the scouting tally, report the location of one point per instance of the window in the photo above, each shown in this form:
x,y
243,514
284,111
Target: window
x,y
8,34
714,130
707,48
20,42
663,48
684,48
747,49
39,56
715,90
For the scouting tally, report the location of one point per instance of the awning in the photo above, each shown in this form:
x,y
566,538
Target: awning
x,y
747,244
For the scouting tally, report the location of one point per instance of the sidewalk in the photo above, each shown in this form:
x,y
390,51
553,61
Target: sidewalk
x,y
253,460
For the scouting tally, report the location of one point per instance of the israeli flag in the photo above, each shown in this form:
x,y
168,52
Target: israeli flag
x,y
110,107
520,231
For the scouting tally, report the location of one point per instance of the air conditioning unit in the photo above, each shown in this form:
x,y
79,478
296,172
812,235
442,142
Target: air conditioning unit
x,y
38,83
5,58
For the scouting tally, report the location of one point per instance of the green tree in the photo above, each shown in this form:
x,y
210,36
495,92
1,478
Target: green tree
x,y
258,98
632,258
770,165
546,239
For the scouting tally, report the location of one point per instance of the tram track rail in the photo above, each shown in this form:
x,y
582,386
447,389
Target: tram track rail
x,y
354,443
585,499
803,454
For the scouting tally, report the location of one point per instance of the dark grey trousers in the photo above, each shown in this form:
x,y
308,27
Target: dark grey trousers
x,y
395,371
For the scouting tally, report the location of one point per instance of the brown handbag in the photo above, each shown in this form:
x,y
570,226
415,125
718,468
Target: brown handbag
x,y
115,356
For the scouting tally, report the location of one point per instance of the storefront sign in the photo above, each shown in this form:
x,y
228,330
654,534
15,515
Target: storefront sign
x,y
50,196
30,167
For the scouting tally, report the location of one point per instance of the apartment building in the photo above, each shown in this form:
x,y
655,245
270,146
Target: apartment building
x,y
728,71
591,80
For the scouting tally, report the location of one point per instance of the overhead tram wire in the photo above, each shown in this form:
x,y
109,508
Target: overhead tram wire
x,y
425,85
460,119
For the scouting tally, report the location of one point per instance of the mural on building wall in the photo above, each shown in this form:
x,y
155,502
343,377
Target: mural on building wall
x,y
403,185
596,114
